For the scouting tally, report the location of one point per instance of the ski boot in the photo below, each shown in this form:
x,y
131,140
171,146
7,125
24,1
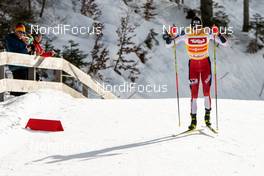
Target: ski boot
x,y
193,122
207,117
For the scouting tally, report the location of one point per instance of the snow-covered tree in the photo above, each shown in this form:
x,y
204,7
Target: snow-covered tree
x,y
149,10
73,54
151,39
100,55
49,47
257,26
90,8
220,18
13,13
16,12
126,46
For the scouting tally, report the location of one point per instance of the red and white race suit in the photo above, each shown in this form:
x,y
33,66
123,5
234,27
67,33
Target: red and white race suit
x,y
199,65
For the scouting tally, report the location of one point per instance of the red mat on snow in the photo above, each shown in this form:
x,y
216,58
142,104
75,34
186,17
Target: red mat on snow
x,y
44,125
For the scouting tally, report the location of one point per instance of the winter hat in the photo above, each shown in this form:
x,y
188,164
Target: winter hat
x,y
20,28
196,21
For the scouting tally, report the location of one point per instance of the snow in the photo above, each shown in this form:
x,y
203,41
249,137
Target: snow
x,y
133,137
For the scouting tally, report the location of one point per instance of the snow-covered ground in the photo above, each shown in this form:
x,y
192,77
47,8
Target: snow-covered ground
x,y
240,75
128,137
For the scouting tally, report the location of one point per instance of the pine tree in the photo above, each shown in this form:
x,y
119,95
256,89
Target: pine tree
x,y
141,54
100,55
144,48
151,39
220,18
257,25
207,12
13,13
73,54
90,8
126,46
49,47
149,10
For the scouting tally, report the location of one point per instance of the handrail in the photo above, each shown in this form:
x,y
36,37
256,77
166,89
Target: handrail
x,y
8,58
16,85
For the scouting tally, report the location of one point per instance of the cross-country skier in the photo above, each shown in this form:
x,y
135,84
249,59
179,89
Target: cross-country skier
x,y
197,44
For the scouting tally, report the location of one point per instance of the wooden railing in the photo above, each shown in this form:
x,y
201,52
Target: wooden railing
x,y
51,63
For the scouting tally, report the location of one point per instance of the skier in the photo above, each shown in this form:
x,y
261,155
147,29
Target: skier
x,y
197,44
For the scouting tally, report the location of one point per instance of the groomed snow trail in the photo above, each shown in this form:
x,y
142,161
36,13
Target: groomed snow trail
x,y
128,137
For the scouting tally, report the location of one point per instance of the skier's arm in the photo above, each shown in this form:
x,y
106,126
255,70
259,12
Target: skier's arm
x,y
177,39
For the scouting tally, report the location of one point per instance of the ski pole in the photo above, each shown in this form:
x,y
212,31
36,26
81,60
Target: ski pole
x,y
177,82
215,85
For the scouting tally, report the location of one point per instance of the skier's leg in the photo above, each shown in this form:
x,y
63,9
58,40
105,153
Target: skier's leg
x,y
206,77
194,78
193,105
207,102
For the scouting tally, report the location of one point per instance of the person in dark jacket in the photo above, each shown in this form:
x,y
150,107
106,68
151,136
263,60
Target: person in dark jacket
x,y
17,42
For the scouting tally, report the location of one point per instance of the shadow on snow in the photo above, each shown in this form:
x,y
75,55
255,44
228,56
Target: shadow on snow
x,y
106,151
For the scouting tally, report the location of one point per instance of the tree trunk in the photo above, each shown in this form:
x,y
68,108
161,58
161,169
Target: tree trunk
x,y
42,8
207,12
246,16
29,6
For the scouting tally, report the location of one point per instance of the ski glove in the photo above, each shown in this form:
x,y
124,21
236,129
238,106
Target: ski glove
x,y
221,38
167,38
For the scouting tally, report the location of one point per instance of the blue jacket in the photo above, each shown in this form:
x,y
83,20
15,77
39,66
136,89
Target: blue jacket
x,y
14,44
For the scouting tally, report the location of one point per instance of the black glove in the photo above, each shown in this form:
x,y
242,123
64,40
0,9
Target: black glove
x,y
167,38
222,38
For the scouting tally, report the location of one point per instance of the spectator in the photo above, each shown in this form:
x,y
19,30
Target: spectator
x,y
17,42
38,48
41,74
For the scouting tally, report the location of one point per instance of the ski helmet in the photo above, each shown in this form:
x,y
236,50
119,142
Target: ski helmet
x,y
196,21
